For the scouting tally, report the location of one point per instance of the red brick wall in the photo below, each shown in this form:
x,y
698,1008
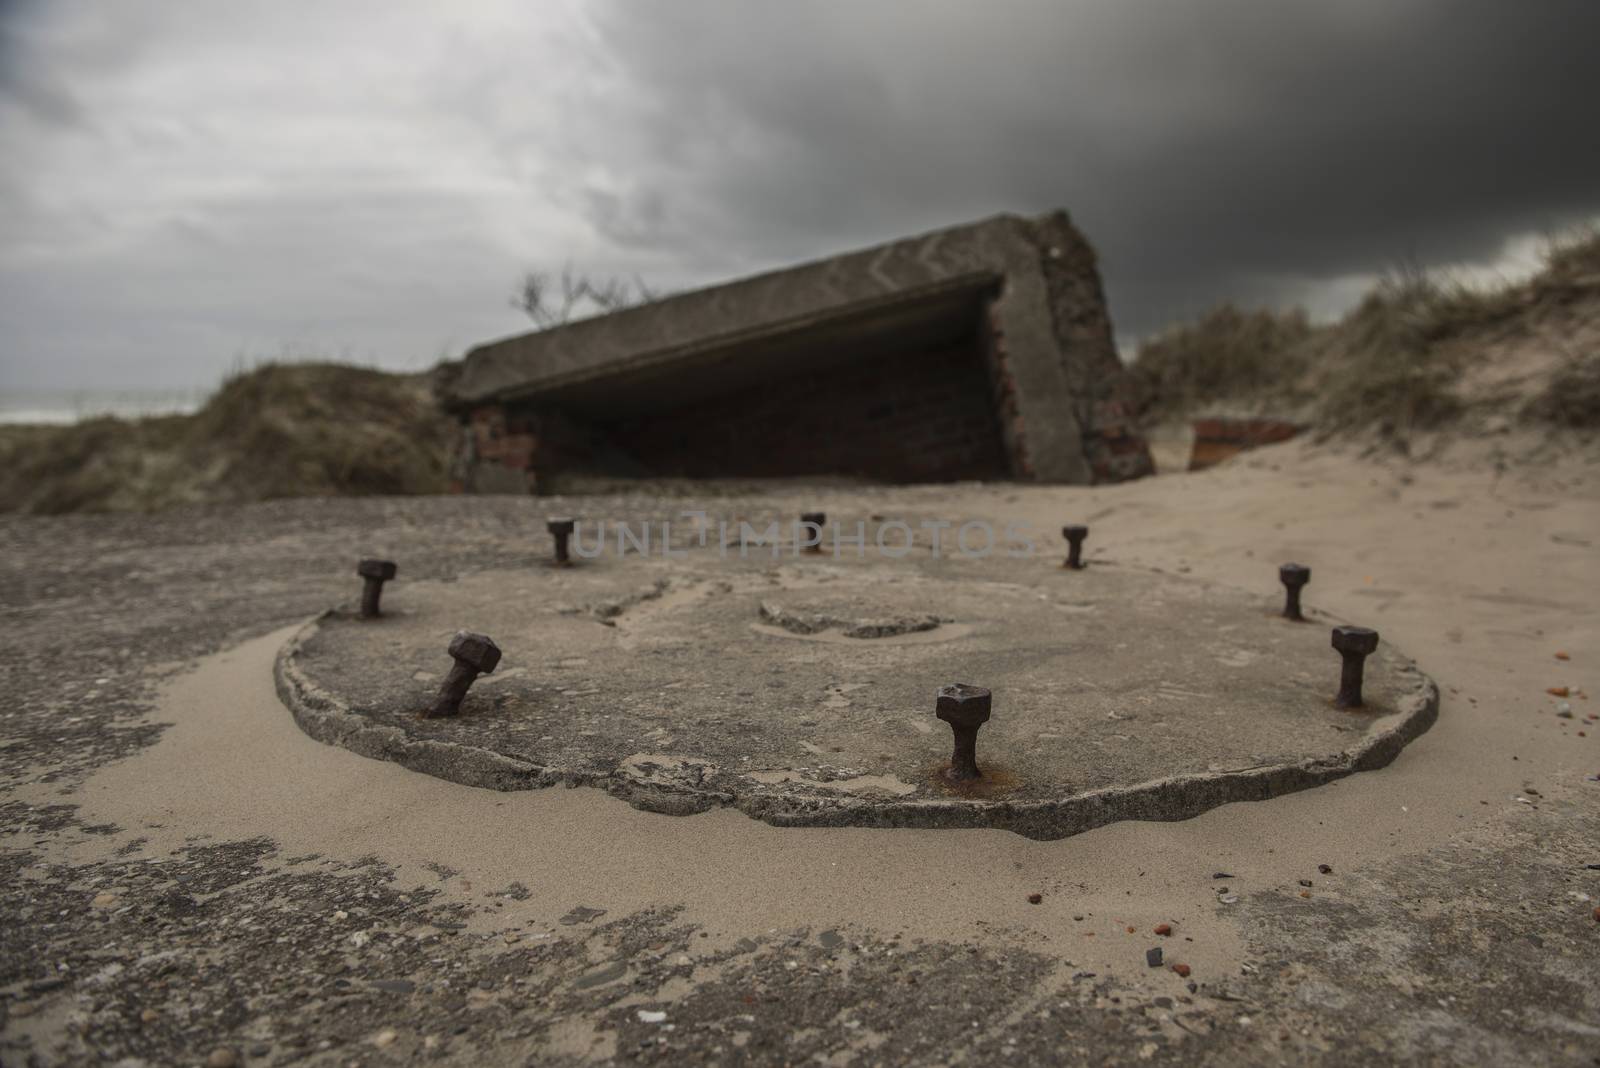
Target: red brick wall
x,y
1216,440
497,454
916,417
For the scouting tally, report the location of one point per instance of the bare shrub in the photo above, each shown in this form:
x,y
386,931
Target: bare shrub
x,y
550,300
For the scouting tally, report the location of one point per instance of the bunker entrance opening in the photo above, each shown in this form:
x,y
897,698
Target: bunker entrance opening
x,y
898,393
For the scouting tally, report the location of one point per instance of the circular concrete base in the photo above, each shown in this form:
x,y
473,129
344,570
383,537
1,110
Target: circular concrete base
x,y
801,691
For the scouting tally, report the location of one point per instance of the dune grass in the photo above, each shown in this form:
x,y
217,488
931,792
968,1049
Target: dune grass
x,y
1389,367
1228,353
1572,399
280,430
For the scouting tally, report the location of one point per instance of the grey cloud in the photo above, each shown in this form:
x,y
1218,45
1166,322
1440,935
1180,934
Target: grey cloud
x,y
1203,146
25,84
183,184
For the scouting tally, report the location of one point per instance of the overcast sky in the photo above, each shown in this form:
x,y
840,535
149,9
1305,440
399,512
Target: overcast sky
x,y
188,186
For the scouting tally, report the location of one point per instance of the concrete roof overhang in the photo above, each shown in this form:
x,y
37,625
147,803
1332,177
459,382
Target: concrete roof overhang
x,y
933,316
908,291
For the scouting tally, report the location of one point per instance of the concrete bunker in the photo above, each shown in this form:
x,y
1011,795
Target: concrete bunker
x,y
979,352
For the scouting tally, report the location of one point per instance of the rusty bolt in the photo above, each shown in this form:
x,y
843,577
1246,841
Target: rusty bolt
x,y
561,530
818,520
1354,644
474,654
965,708
1074,535
1293,577
374,573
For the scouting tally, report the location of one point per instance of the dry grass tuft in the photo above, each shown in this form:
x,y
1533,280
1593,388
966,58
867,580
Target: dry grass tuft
x,y
1383,368
1572,399
1226,355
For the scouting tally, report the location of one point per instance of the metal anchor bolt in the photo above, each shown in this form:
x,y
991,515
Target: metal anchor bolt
x,y
1354,644
1074,535
561,530
375,573
818,520
475,654
965,708
1293,577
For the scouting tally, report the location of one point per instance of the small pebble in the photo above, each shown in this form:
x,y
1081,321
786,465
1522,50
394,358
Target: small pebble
x,y
1305,893
384,1038
1305,882
1163,928
1183,973
222,1058
1558,691
1152,957
1034,899
1562,656
1324,869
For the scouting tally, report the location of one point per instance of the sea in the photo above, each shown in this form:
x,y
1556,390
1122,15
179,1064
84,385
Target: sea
x,y
58,407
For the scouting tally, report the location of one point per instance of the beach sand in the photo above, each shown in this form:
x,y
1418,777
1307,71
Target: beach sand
x,y
1483,576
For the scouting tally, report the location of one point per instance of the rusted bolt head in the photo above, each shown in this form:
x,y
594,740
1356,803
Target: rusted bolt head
x,y
560,526
477,651
1075,532
961,705
376,569
1360,640
1293,575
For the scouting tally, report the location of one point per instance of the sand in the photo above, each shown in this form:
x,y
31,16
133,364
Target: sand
x,y
1481,577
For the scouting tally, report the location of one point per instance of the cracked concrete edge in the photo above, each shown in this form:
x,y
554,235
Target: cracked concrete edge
x,y
330,720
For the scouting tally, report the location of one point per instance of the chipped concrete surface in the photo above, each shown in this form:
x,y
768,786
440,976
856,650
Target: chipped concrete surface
x,y
185,872
1156,697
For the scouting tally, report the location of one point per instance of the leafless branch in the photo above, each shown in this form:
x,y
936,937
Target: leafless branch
x,y
550,301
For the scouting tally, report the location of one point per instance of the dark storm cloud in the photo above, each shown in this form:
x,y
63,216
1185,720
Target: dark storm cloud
x,y
183,185
1213,149
37,66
